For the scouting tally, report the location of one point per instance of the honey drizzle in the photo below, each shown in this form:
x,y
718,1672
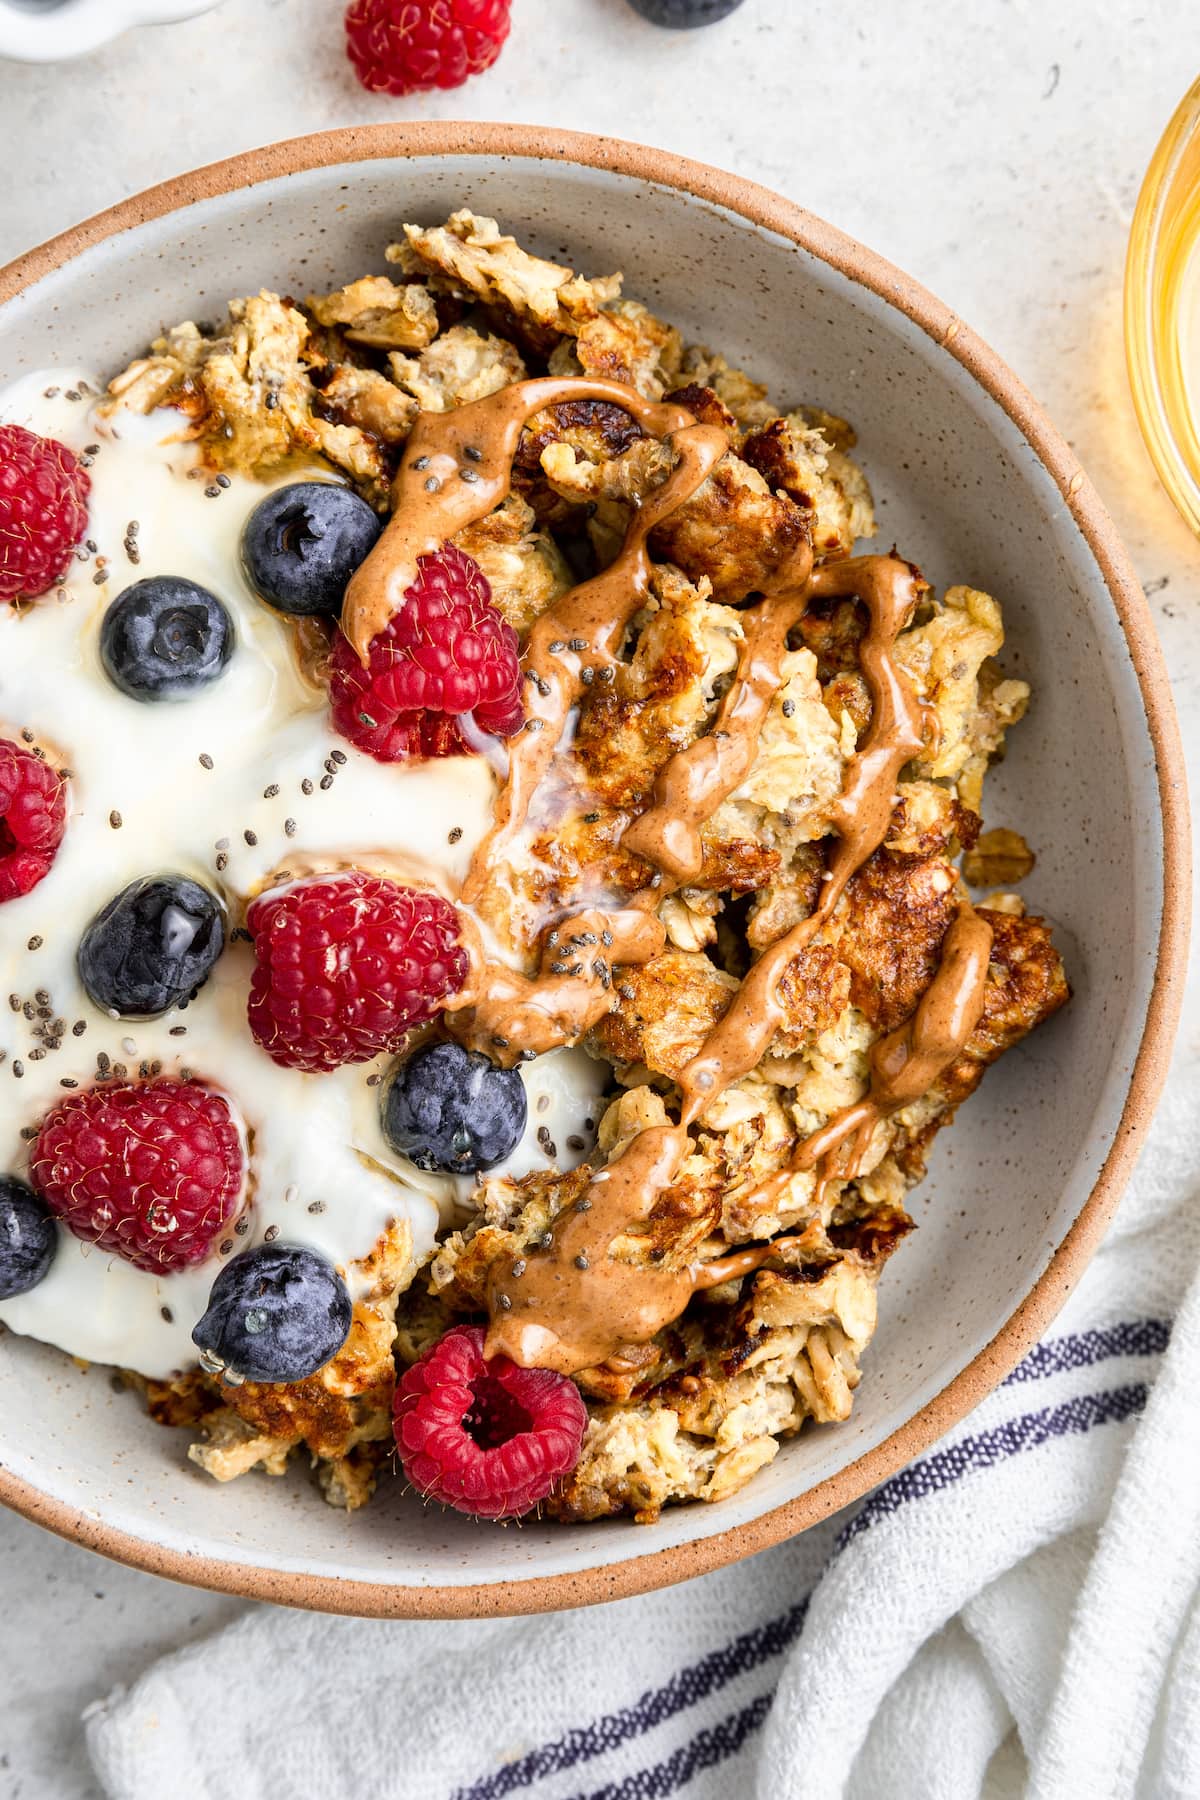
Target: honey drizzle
x,y
576,1303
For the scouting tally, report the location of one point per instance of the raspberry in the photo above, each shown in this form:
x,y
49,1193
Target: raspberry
x,y
152,1170
487,1438
446,652
33,818
43,511
347,965
410,46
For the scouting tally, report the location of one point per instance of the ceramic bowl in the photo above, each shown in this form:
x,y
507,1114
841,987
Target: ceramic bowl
x,y
975,484
48,31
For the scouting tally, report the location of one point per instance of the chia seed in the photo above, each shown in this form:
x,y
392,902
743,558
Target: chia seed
x,y
289,828
115,820
206,761
454,834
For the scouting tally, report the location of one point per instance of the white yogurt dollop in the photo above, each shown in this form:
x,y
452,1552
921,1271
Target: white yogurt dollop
x,y
142,801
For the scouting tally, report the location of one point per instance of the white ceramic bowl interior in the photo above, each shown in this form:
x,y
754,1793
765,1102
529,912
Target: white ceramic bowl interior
x,y
961,492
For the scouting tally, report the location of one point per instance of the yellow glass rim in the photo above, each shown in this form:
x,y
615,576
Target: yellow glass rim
x,y
1165,233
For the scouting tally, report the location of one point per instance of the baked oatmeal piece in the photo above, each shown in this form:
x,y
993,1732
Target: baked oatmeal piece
x,y
755,1242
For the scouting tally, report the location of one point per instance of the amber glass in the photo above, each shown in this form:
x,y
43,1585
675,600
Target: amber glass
x,y
1162,308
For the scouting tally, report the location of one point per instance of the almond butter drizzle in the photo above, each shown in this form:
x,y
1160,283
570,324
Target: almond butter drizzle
x,y
577,1301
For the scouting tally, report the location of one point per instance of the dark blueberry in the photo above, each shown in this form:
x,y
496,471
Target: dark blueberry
x,y
165,638
684,15
151,946
301,545
275,1314
450,1108
28,1238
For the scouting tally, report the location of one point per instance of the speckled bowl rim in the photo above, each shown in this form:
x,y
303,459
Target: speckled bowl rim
x,y
758,206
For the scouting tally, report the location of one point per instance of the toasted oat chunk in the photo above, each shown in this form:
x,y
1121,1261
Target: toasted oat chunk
x,y
790,1352
929,819
459,366
470,256
889,932
249,394
377,313
623,342
525,567
945,657
795,456
733,530
369,400
798,769
661,699
745,398
666,1009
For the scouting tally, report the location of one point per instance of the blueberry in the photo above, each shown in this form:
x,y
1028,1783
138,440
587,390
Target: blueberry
x,y
450,1108
28,1238
151,946
301,545
275,1314
165,638
684,15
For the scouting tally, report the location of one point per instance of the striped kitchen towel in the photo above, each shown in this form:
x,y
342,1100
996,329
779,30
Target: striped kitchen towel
x,y
1016,1612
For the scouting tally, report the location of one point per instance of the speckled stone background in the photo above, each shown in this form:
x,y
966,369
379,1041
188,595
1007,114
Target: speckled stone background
x,y
994,149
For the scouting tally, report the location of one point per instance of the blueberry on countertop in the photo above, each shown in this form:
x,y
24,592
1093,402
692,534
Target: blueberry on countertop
x,y
165,638
450,1108
684,15
28,1238
277,1313
151,946
301,545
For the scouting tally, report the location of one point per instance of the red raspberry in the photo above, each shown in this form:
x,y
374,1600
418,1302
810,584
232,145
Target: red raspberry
x,y
152,1170
410,46
33,818
43,511
446,652
487,1438
347,965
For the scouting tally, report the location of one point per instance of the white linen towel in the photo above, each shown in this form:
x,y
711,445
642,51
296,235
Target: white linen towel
x,y
1018,1611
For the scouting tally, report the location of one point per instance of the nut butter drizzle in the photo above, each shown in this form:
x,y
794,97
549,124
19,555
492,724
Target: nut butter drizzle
x,y
576,1302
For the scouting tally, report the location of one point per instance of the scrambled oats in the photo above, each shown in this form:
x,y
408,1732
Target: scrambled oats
x,y
342,377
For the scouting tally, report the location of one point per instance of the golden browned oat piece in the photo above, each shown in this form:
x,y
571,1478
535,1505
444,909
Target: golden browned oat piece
x,y
336,382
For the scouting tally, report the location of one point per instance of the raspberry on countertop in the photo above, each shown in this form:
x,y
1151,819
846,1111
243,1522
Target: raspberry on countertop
x,y
410,46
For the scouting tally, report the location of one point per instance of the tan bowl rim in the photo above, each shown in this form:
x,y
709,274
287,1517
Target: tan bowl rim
x,y
770,211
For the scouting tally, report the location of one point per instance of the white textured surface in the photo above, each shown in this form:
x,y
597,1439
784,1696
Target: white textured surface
x,y
995,157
